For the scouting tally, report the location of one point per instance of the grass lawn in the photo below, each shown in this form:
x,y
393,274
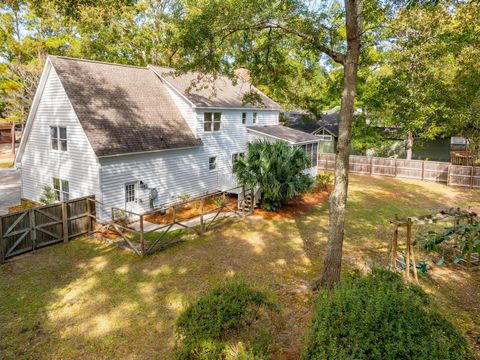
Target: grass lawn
x,y
86,299
5,164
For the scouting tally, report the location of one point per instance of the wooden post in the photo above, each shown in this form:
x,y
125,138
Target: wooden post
x,y
414,264
243,200
2,244
33,231
472,173
65,221
252,199
395,166
202,225
13,137
408,250
142,237
393,254
448,175
371,165
423,170
89,211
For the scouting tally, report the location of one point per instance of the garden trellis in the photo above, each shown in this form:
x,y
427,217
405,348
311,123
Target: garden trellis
x,y
454,215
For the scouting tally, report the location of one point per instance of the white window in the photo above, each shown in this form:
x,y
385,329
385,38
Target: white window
x,y
325,137
212,121
58,138
61,188
212,163
244,118
311,150
254,120
237,156
130,192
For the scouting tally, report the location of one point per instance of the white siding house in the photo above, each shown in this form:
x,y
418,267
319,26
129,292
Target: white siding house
x,y
40,163
135,137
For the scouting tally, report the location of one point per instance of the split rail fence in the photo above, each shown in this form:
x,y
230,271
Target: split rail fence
x,y
443,172
127,229
30,229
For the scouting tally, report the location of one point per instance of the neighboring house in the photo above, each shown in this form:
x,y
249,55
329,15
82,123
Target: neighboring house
x,y
326,128
139,137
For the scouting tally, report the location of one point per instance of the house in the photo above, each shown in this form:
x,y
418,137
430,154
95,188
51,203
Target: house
x,y
140,137
326,128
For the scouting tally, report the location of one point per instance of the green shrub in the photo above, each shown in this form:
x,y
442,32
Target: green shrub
x,y
277,168
228,322
379,317
323,180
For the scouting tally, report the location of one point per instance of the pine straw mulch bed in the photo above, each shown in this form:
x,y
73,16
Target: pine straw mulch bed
x,y
296,206
189,210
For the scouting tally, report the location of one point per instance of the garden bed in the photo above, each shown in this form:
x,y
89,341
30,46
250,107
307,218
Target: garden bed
x,y
296,206
191,210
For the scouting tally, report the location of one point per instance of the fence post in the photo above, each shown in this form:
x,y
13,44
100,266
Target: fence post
x,y
395,166
371,165
33,231
202,225
423,169
142,236
65,221
243,201
472,173
2,245
448,175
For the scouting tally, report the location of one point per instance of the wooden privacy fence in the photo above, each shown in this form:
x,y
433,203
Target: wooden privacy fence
x,y
27,230
443,172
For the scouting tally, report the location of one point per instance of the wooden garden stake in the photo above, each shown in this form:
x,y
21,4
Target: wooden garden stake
x,y
408,250
393,258
414,265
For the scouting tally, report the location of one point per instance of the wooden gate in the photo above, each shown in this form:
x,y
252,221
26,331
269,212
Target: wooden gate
x,y
31,229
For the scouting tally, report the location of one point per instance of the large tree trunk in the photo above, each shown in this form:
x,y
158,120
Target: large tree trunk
x,y
409,145
338,197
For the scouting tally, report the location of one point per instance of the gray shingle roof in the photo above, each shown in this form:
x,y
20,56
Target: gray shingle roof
x,y
284,133
123,109
220,92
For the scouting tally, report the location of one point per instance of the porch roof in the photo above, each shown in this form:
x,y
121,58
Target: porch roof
x,y
284,133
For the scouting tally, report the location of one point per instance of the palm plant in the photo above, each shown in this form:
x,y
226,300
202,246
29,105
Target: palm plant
x,y
277,168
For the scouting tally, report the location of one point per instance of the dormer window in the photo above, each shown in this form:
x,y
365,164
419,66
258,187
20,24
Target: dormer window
x,y
212,121
58,138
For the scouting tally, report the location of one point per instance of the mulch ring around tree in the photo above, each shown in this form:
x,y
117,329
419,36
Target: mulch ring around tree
x,y
296,206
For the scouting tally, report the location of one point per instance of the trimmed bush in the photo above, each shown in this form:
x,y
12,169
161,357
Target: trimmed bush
x,y
225,323
379,317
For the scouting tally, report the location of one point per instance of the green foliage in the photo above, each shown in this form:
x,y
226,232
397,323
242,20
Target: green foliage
x,y
226,320
465,237
48,196
380,317
277,168
324,180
